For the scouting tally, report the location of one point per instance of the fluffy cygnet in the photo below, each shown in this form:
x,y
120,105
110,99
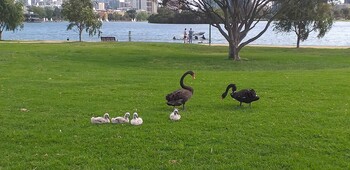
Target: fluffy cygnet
x,y
124,119
136,120
175,115
100,120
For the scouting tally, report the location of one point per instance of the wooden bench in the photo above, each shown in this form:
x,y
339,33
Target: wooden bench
x,y
107,38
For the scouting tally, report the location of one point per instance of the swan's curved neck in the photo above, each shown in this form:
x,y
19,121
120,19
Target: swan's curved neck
x,y
233,86
183,85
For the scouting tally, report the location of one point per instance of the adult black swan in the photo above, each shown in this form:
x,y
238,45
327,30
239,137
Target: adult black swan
x,y
245,95
180,97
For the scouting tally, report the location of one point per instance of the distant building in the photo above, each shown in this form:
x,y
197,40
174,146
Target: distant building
x,y
42,3
113,4
101,6
152,6
139,4
145,5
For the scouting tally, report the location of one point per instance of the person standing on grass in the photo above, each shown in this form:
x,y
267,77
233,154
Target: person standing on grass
x,y
185,35
190,35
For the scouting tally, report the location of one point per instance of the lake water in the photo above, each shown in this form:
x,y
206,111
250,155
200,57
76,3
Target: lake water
x,y
339,35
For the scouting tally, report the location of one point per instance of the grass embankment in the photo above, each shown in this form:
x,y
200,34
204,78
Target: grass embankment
x,y
301,121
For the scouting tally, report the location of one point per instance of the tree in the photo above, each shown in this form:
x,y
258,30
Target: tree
x,y
80,15
141,16
57,15
346,13
306,17
38,10
11,16
165,15
236,18
49,12
132,14
168,15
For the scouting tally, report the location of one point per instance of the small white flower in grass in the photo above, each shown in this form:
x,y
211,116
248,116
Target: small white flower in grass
x,y
24,110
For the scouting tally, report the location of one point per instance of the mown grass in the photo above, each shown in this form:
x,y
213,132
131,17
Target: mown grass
x,y
301,121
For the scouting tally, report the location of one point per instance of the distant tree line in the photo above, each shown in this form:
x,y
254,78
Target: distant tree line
x,y
167,15
128,16
341,14
56,14
46,12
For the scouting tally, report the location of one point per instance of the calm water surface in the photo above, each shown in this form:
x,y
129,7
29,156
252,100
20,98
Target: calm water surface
x,y
339,35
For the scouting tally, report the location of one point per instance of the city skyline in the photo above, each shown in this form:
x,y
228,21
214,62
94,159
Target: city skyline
x,y
149,6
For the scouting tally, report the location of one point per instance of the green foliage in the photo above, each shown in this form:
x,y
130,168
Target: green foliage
x,y
11,16
57,15
166,15
343,13
300,122
41,12
116,17
305,17
81,16
132,14
49,12
46,12
142,16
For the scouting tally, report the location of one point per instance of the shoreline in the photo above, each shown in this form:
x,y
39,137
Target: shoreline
x,y
249,45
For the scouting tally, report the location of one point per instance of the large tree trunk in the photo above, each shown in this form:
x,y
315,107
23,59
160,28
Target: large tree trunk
x,y
80,32
0,35
233,52
298,41
81,28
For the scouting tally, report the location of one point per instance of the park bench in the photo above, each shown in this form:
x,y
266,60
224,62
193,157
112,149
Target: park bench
x,y
108,39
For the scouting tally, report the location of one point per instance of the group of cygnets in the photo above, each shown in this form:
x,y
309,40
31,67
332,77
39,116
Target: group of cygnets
x,y
136,120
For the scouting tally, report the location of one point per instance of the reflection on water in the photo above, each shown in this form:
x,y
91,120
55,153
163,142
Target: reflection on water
x,y
146,32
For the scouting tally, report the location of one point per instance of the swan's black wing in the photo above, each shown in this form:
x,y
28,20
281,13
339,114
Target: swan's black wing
x,y
178,97
245,95
251,95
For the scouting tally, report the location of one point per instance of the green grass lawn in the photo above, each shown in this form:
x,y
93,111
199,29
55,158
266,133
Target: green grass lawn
x,y
301,121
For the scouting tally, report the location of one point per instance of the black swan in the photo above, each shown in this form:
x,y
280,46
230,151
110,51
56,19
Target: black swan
x,y
245,95
180,97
